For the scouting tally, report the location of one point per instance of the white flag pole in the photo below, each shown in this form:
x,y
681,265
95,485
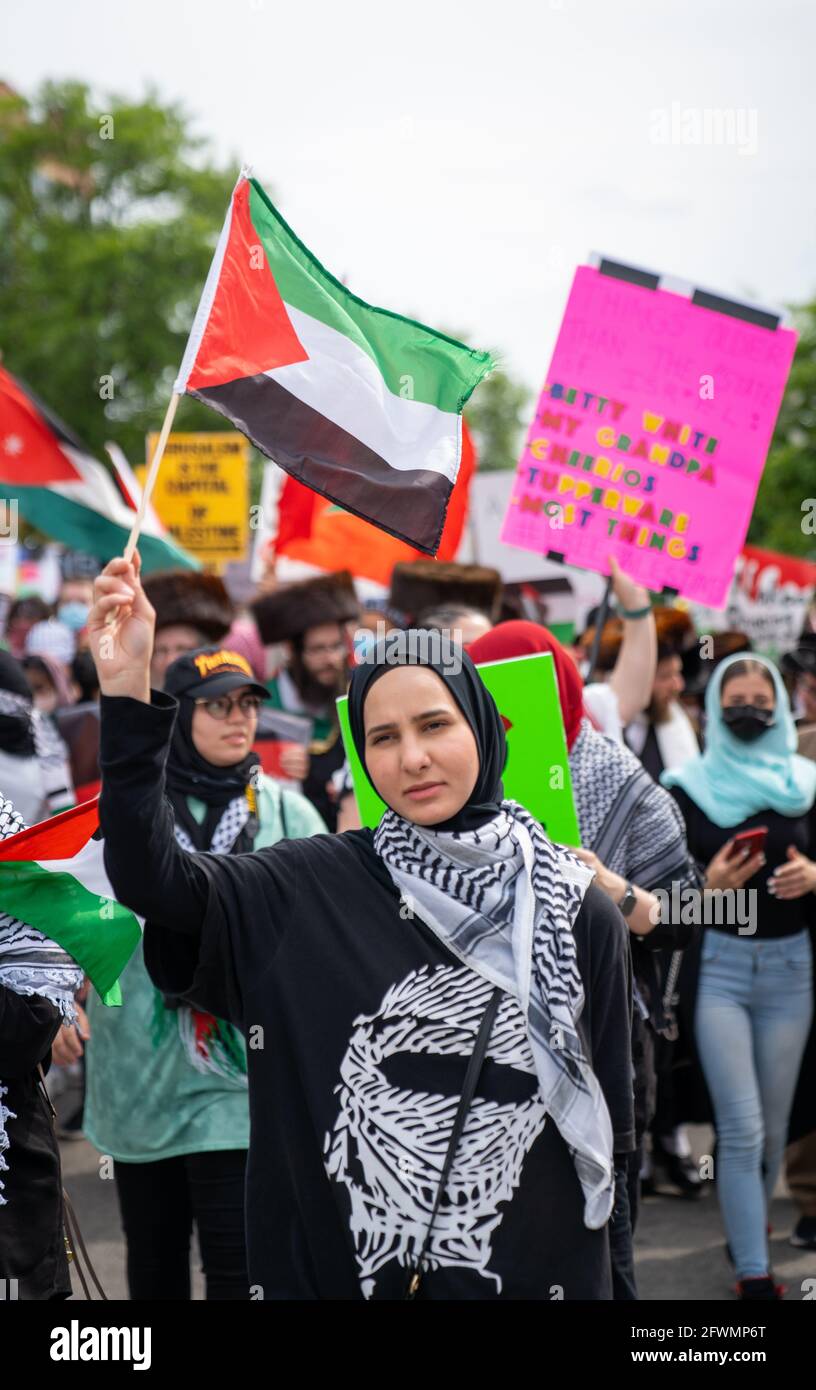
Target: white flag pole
x,y
202,314
147,489
152,475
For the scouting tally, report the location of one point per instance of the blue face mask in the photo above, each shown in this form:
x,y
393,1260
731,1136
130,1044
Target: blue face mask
x,y
73,614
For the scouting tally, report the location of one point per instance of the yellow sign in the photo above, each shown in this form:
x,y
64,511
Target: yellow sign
x,y
202,493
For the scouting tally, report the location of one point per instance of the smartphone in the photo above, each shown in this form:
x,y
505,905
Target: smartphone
x,y
752,840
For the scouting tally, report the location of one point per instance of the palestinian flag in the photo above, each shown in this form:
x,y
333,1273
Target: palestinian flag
x,y
320,533
360,404
52,877
61,489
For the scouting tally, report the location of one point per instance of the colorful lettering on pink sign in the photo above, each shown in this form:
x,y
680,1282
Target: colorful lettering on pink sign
x,y
650,437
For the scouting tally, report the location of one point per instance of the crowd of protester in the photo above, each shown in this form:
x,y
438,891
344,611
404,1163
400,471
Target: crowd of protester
x,y
693,767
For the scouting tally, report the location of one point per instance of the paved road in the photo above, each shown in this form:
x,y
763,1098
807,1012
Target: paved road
x,y
679,1247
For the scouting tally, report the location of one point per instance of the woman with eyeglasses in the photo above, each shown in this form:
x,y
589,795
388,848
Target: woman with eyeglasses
x,y
748,804
167,1081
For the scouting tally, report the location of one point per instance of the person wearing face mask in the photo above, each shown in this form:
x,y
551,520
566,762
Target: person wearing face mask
x,y
754,996
166,1091
633,837
367,969
74,605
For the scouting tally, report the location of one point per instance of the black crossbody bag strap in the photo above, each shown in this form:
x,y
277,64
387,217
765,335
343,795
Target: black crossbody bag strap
x,y
477,1057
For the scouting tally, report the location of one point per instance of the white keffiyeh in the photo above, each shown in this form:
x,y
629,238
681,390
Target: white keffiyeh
x,y
503,899
31,963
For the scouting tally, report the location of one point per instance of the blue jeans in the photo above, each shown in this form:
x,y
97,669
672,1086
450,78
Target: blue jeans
x,y
753,1015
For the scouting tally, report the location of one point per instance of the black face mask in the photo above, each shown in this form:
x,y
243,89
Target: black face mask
x,y
747,721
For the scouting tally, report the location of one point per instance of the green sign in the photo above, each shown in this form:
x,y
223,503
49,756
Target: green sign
x,y
536,773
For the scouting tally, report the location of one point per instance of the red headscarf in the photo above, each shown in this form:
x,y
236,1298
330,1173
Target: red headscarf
x,y
520,638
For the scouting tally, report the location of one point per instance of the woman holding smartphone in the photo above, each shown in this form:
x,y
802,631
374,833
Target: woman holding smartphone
x,y
754,1002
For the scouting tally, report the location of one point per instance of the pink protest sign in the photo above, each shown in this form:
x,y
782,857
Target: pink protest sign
x,y
650,436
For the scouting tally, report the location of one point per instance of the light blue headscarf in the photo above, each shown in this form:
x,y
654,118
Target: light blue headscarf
x,y
732,779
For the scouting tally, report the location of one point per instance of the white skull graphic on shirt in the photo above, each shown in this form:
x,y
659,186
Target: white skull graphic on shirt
x,y
388,1144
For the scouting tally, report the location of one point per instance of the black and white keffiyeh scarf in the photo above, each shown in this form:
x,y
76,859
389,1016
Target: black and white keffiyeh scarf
x,y
211,1045
503,899
633,825
30,963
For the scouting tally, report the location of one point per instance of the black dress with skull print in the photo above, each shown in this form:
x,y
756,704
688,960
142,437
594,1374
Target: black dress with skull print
x,y
359,1024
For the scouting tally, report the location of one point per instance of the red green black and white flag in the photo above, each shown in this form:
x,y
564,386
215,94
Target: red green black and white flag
x,y
57,485
360,404
52,878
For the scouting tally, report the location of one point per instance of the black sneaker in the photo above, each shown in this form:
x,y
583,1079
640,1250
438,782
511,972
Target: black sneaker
x,y
759,1290
804,1235
681,1172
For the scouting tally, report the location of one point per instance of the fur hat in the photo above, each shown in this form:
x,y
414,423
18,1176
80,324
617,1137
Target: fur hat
x,y
419,585
293,608
190,597
676,632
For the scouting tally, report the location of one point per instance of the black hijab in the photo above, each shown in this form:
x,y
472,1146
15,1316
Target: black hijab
x,y
472,697
190,774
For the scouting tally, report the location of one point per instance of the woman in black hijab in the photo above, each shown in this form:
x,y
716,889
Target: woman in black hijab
x,y
364,968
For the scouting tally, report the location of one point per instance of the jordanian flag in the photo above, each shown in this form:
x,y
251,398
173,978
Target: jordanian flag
x,y
57,486
360,404
52,877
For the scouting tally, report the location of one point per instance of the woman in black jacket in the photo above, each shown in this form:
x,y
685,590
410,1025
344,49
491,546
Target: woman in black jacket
x,y
364,970
33,1260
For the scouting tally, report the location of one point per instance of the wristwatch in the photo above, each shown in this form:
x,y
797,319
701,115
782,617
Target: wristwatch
x,y
628,900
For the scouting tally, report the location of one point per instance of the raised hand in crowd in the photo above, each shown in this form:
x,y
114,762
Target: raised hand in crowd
x,y
634,672
122,644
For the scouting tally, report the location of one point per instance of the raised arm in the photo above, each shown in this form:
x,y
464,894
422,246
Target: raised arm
x,y
148,870
634,673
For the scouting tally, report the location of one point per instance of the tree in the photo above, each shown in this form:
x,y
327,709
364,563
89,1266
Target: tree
x,y
497,415
108,218
789,479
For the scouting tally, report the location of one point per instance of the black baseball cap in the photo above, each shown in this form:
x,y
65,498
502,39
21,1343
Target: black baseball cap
x,y
209,672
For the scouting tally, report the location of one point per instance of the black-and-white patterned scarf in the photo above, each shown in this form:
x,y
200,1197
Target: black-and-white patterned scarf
x,y
30,963
211,1045
633,825
503,899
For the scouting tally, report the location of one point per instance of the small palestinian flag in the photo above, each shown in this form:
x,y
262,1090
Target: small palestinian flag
x,y
52,877
360,404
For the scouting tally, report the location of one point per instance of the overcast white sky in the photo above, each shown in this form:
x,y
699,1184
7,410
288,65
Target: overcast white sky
x,y
455,161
